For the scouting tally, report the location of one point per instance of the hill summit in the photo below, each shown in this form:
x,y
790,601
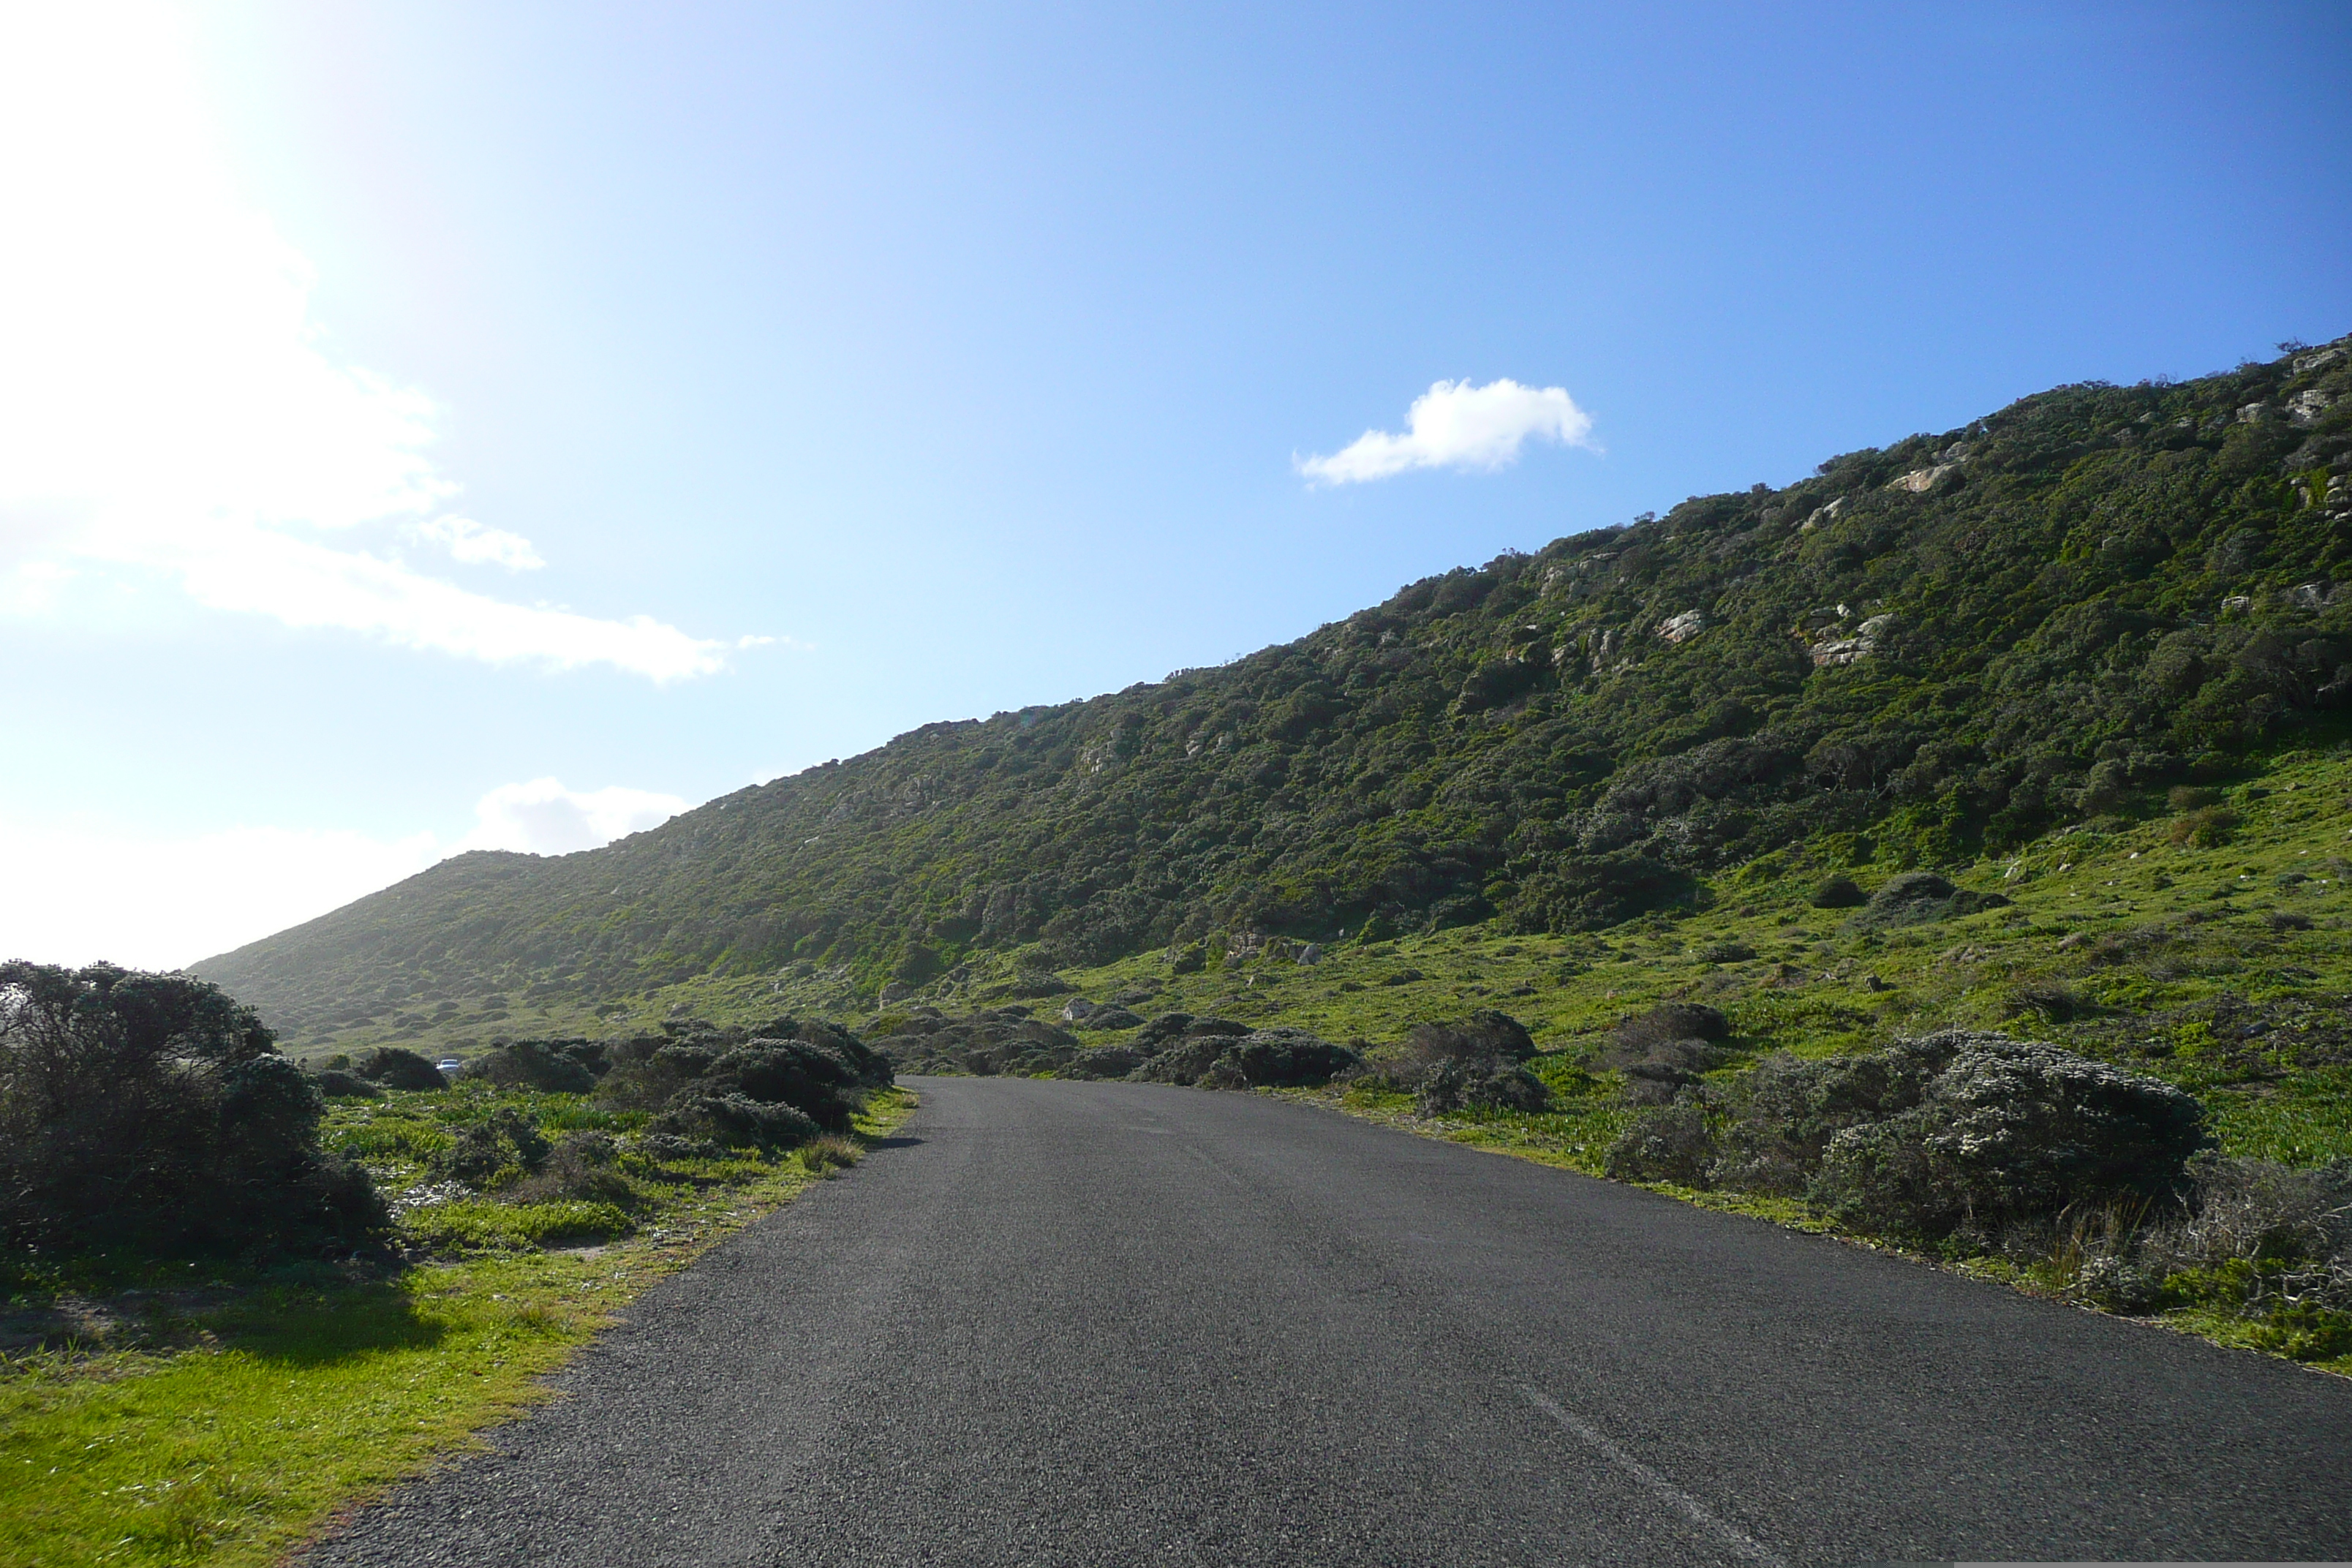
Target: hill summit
x,y
1948,645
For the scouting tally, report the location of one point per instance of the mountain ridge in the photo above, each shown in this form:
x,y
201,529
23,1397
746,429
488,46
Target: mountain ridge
x,y
1945,646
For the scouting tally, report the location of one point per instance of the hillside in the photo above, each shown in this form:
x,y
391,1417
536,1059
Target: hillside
x,y
1923,655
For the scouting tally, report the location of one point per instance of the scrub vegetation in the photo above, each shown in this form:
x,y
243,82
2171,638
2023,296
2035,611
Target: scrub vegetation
x,y
1953,646
201,1366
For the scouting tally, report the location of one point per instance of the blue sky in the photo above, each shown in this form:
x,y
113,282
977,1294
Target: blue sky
x,y
489,424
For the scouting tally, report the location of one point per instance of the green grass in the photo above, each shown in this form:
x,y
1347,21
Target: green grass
x,y
226,1433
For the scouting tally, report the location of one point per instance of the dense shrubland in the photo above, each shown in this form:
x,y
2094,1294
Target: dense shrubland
x,y
1174,1047
153,1114
1949,646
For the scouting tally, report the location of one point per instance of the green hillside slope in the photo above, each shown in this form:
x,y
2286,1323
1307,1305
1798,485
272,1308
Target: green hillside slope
x,y
1924,654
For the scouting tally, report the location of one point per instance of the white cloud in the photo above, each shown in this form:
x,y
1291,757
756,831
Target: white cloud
x,y
78,893
470,543
167,406
1455,425
542,818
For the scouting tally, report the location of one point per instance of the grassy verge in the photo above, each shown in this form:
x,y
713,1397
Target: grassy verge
x,y
220,1420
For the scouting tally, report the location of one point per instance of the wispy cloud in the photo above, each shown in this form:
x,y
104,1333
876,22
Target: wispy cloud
x,y
470,543
168,407
1455,425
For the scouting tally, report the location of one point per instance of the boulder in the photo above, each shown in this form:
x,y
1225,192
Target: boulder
x,y
1683,628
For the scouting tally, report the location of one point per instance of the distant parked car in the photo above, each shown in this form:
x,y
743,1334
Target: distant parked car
x,y
448,1064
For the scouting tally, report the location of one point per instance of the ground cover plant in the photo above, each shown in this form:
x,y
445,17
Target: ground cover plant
x,y
210,1403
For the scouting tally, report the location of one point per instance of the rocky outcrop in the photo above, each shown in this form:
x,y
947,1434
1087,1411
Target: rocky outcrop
x,y
1683,628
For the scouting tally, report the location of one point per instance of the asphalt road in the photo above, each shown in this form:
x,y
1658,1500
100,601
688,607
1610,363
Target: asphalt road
x,y
1113,1323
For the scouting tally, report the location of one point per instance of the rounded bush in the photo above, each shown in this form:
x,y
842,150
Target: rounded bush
x,y
396,1069
1840,893
337,1084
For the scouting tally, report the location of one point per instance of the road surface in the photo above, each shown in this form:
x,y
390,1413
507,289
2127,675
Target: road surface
x,y
1115,1323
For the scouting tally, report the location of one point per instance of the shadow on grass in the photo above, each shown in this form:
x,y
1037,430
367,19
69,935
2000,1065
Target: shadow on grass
x,y
319,1328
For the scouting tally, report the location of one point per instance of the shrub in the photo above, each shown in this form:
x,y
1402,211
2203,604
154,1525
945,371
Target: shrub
x,y
2208,827
1726,952
2192,797
1265,1058
1103,1061
1916,898
153,1111
396,1069
1664,1067
580,1168
1667,1144
2049,1000
1489,1085
1840,893
735,1122
543,1065
2008,1129
1963,1128
500,1149
1184,1058
1666,1050
337,1084
1277,1057
815,1080
1671,1021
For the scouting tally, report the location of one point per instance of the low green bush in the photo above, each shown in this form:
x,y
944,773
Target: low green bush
x,y
1840,893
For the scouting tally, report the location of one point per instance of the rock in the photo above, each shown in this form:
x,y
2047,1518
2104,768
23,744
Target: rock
x,y
1311,953
1919,481
1683,628
2308,406
1820,515
2250,413
2237,604
1077,1010
1845,650
2314,596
